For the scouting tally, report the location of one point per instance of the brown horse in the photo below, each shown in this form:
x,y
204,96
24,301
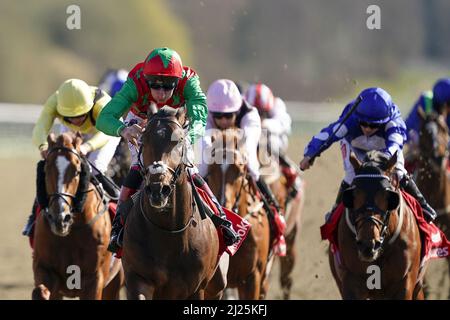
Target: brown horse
x,y
378,239
229,182
432,168
272,174
71,236
169,251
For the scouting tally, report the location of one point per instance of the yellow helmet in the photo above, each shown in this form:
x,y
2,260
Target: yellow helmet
x,y
75,98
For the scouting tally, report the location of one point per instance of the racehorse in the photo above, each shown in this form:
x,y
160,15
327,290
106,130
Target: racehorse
x,y
71,235
120,163
169,251
229,182
378,240
292,207
432,168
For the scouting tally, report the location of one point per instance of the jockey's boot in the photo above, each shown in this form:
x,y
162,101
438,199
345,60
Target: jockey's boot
x,y
109,186
293,181
273,207
31,219
124,206
131,185
410,186
229,235
41,197
344,185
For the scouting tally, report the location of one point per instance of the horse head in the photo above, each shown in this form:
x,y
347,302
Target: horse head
x,y
164,153
66,181
228,169
433,137
372,199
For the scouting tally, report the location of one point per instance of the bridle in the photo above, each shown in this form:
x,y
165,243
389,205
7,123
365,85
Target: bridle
x,y
65,195
370,206
155,167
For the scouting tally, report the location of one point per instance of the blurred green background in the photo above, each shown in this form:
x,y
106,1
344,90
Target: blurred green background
x,y
306,50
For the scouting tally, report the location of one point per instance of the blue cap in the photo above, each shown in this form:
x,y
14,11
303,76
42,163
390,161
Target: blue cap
x,y
375,107
441,91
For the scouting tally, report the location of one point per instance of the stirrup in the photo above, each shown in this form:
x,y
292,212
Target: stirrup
x,y
230,237
116,241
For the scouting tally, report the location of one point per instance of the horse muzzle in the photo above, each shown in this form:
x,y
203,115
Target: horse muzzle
x,y
369,250
60,223
158,194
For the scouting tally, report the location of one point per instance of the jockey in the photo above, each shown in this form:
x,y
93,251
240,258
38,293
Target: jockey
x,y
163,80
376,124
437,100
113,80
277,121
227,109
77,106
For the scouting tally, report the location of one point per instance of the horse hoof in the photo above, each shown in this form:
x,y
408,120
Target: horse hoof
x,y
40,293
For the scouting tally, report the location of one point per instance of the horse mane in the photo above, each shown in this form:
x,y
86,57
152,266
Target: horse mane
x,y
377,159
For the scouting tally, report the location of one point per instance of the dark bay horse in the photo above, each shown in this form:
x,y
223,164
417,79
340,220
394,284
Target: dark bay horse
x,y
72,233
229,182
169,251
432,169
378,236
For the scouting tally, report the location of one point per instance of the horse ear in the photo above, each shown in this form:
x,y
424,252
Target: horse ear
x,y
51,139
421,113
393,200
355,161
392,162
152,109
181,115
78,140
347,198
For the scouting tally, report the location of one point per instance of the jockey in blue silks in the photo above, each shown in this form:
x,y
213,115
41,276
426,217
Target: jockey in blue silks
x,y
437,100
375,124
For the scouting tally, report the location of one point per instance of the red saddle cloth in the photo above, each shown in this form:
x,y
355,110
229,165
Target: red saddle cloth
x,y
240,225
434,242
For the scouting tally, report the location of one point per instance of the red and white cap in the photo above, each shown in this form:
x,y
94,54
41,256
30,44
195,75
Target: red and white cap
x,y
260,96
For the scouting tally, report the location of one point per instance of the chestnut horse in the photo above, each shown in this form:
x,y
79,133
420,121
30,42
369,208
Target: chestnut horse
x,y
169,251
292,207
72,233
432,168
229,182
378,239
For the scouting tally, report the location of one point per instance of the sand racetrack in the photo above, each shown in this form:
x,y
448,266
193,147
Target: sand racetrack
x,y
312,277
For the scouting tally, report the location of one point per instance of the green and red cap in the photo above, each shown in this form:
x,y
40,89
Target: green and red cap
x,y
163,62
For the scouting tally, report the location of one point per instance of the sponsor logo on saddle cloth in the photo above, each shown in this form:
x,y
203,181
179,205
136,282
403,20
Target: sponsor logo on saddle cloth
x,y
240,225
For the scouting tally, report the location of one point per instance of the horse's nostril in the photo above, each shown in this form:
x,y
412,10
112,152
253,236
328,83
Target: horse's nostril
x,y
67,218
377,245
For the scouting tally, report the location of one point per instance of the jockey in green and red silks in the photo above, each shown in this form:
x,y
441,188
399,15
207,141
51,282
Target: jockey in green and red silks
x,y
163,80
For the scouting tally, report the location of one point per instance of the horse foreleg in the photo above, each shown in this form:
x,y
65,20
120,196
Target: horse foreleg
x,y
199,295
92,288
46,285
250,289
287,264
137,289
